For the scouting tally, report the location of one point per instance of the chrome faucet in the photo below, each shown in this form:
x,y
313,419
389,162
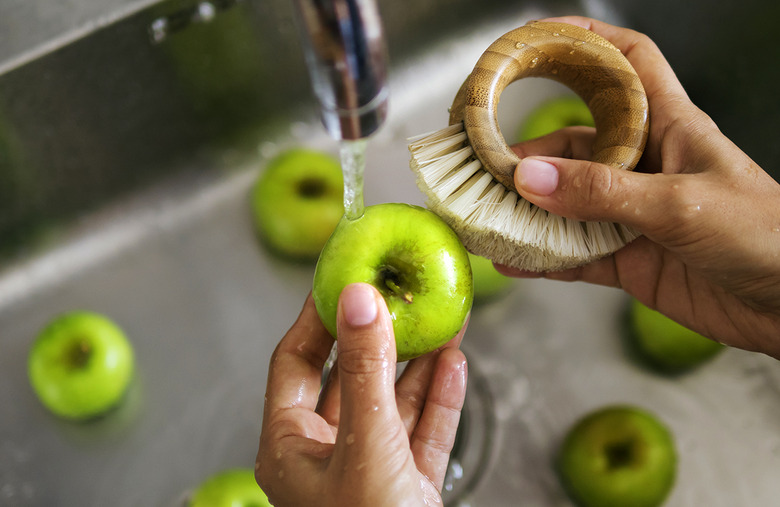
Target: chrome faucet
x,y
347,59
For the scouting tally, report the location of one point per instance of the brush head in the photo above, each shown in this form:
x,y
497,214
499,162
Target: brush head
x,y
466,170
497,223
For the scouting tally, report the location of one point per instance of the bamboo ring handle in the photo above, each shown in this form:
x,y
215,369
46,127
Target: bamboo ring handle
x,y
578,58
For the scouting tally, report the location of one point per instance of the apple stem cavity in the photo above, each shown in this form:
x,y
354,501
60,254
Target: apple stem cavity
x,y
392,280
619,455
311,188
79,353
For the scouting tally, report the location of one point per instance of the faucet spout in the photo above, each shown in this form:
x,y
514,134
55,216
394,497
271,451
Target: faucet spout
x,y
347,59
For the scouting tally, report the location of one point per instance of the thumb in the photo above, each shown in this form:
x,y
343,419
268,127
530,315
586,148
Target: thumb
x,y
591,191
366,363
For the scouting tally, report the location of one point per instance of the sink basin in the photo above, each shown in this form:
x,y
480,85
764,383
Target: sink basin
x,y
125,171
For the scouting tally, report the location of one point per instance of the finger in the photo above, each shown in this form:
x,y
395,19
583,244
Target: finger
x,y
411,389
295,369
635,268
654,71
434,435
367,365
569,142
590,191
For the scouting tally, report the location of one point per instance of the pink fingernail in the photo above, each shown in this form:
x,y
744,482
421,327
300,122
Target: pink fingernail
x,y
358,304
537,176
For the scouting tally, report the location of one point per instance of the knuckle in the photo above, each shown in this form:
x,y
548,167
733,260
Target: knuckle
x,y
597,185
362,360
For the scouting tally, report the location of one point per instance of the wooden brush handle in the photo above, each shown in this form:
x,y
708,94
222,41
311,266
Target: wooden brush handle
x,y
580,59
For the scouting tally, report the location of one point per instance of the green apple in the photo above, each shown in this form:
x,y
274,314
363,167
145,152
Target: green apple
x,y
230,488
297,202
488,282
80,365
555,114
618,456
665,344
416,262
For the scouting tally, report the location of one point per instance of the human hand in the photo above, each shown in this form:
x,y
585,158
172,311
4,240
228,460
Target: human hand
x,y
366,439
710,254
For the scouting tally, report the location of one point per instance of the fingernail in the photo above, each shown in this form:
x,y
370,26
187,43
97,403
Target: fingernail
x,y
358,304
537,176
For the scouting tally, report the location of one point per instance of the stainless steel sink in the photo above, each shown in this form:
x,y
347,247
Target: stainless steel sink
x,y
125,170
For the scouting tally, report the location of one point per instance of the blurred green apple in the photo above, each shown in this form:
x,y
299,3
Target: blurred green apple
x,y
618,456
417,263
80,365
297,202
665,344
230,488
488,282
555,114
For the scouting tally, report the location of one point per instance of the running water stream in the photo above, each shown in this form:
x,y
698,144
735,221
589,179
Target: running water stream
x,y
353,165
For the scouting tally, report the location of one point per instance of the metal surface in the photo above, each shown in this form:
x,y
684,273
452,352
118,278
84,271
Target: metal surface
x,y
347,58
177,265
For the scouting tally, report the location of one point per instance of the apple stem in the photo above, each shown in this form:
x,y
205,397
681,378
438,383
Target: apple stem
x,y
398,291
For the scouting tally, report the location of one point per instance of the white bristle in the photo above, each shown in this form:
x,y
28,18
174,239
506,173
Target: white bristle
x,y
497,223
455,179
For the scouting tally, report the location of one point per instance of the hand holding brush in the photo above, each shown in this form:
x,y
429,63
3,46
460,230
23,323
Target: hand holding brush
x,y
709,254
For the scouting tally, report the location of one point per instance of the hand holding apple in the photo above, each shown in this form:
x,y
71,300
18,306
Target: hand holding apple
x,y
365,439
413,259
80,365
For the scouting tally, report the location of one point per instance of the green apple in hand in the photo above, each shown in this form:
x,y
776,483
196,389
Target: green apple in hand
x,y
80,365
618,456
415,261
555,114
297,202
665,344
488,282
230,488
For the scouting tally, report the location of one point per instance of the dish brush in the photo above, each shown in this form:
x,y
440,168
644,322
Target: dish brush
x,y
466,169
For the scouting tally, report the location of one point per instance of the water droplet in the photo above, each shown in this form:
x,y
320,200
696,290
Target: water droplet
x,y
694,208
571,52
776,229
206,12
278,454
158,30
578,42
268,149
350,439
556,34
534,62
520,45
